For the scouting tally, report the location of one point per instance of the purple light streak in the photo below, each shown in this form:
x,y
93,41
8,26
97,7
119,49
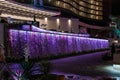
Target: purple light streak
x,y
48,43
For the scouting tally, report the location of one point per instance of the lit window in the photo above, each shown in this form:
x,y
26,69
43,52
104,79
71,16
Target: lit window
x,y
92,11
97,17
97,8
96,12
92,16
58,3
91,1
49,0
97,3
92,6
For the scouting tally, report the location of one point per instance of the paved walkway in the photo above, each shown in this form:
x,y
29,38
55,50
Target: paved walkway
x,y
85,65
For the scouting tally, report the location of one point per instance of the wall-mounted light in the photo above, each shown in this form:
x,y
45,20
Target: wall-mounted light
x,y
69,25
46,20
69,22
58,21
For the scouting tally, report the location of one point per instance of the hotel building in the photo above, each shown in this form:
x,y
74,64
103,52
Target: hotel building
x,y
89,11
92,15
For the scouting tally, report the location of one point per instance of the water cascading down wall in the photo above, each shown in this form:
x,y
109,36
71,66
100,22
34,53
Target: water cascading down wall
x,y
40,42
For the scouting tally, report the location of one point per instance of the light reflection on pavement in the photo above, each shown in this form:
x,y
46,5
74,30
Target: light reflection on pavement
x,y
86,65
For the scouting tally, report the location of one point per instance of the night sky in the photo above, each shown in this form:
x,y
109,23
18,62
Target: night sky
x,y
116,7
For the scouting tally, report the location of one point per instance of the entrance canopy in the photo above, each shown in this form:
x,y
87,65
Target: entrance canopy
x,y
9,8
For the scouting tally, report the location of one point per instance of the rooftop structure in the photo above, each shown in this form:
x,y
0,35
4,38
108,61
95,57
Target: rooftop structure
x,y
9,8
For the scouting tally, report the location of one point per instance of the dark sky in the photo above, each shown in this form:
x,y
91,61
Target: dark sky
x,y
115,7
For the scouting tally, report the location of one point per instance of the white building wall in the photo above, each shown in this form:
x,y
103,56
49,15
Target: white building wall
x,y
55,23
60,24
75,25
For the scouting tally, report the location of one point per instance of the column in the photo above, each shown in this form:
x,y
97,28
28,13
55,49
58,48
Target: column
x,y
35,2
41,2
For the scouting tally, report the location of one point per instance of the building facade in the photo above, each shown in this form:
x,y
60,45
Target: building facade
x,y
86,8
94,12
25,1
92,15
32,2
89,11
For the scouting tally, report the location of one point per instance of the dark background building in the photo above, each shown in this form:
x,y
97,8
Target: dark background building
x,y
115,7
25,1
91,12
94,12
115,10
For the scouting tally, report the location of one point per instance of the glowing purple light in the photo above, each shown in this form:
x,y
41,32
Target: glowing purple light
x,y
43,43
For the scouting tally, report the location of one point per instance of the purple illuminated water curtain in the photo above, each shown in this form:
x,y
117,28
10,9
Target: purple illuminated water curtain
x,y
45,43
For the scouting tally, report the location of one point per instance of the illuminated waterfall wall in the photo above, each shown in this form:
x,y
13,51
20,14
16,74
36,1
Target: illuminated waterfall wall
x,y
44,43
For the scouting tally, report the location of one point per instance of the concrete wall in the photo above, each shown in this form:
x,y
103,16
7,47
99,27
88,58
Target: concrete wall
x,y
116,58
1,33
2,42
60,24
